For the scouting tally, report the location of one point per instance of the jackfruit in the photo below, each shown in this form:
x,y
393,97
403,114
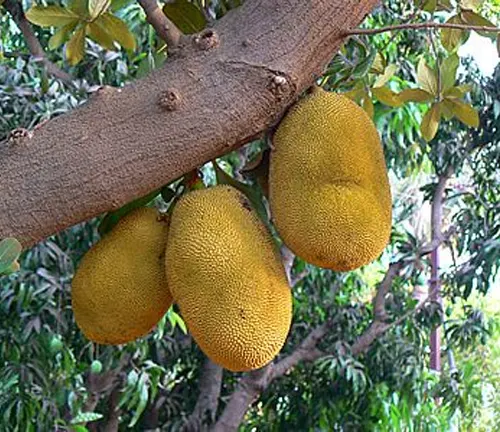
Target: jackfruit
x,y
329,192
226,275
119,292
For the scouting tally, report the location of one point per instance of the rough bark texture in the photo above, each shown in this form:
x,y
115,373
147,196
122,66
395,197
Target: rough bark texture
x,y
217,92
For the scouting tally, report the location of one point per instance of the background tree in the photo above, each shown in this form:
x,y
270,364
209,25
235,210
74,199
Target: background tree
x,y
351,363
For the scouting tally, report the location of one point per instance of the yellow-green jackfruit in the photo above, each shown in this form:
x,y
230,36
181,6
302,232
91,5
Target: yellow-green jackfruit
x,y
226,275
119,291
329,192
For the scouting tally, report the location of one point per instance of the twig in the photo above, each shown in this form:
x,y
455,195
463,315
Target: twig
x,y
419,26
165,28
35,48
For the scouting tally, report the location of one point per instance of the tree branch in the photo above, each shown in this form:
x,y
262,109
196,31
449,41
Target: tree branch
x,y
16,11
165,28
217,93
208,400
421,26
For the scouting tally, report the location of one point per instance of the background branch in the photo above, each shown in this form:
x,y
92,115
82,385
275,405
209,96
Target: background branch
x,y
205,409
165,28
35,48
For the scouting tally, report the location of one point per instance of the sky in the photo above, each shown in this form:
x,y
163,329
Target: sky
x,y
483,51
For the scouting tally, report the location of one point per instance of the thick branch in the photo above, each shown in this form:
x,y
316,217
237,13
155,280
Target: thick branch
x,y
421,26
165,28
16,11
208,400
218,92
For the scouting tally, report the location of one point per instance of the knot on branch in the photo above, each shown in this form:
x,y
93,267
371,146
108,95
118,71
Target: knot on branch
x,y
206,40
169,100
279,85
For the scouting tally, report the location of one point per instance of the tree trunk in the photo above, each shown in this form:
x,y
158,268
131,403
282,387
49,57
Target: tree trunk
x,y
221,89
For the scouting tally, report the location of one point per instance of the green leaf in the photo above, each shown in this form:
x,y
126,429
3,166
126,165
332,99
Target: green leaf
x,y
464,112
143,400
427,78
98,7
186,16
386,76
62,35
118,4
415,95
117,29
446,111
79,7
85,417
79,428
430,122
14,267
55,16
457,91
429,5
357,93
75,48
379,64
10,249
387,96
176,320
470,4
367,105
478,20
112,218
449,71
453,38
98,34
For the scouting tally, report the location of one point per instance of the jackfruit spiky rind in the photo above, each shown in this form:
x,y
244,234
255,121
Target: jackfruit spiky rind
x,y
329,191
226,275
119,292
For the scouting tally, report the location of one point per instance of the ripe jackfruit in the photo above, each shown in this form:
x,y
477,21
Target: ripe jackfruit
x,y
329,192
119,291
226,275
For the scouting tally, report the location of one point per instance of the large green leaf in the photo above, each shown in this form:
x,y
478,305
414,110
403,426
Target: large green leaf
x,y
415,95
55,16
386,75
10,249
387,96
98,7
98,34
430,122
61,35
453,38
79,7
464,112
473,18
449,71
117,30
427,78
186,16
75,48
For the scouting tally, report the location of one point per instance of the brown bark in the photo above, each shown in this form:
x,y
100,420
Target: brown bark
x,y
165,28
16,11
208,400
219,91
